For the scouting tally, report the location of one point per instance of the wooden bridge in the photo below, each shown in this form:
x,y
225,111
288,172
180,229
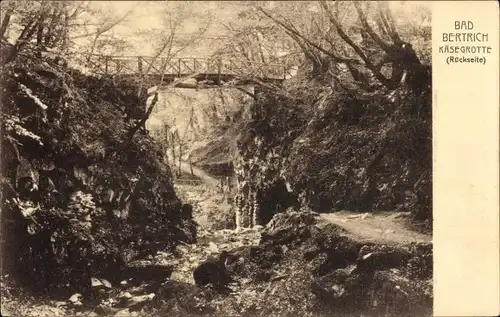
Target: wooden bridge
x,y
208,73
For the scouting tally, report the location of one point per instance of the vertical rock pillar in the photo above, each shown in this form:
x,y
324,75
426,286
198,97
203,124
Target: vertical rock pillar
x,y
238,210
247,208
255,207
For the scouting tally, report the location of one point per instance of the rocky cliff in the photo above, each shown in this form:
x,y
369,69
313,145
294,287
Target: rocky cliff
x,y
80,195
335,150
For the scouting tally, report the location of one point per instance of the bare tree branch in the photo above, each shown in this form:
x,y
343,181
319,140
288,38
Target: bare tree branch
x,y
362,17
168,45
386,16
356,48
292,30
106,28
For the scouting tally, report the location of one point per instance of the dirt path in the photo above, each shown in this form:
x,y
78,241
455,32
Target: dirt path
x,y
382,227
207,179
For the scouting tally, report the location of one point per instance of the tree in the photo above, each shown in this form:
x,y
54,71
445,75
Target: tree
x,y
103,26
41,24
61,27
170,39
9,10
255,40
366,50
171,43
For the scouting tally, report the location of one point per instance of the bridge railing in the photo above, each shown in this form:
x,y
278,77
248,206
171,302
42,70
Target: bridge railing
x,y
141,65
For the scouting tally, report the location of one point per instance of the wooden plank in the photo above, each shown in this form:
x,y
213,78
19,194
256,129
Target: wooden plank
x,y
139,65
117,66
194,64
106,66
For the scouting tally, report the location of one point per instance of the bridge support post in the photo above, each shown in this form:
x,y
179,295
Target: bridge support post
x,y
219,70
139,65
106,65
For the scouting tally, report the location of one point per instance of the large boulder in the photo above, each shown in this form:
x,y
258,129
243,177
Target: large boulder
x,y
182,299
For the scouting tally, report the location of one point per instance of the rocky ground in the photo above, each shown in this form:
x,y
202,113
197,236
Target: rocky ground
x,y
303,264
300,264
129,297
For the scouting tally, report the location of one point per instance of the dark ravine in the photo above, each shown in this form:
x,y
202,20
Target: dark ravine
x,y
327,165
302,264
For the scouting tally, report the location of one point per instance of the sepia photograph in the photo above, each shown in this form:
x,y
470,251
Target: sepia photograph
x,y
216,158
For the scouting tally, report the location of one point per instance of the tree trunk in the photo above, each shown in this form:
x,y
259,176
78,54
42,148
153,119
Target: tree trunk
x,y
191,165
167,161
92,47
180,157
6,18
24,38
172,144
142,122
39,32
